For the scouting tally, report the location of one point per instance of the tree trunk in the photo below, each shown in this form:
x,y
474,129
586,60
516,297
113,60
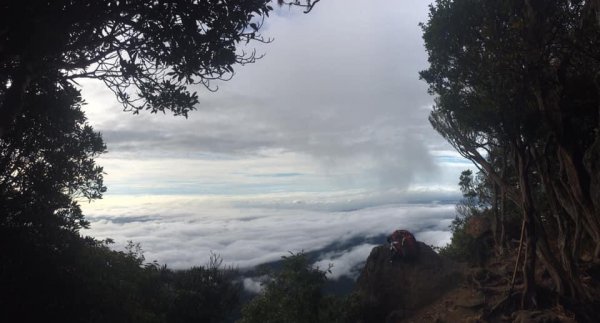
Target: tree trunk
x,y
577,182
503,205
497,219
577,240
502,222
591,162
529,297
565,274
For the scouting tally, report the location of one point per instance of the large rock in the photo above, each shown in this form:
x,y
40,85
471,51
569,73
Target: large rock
x,y
389,292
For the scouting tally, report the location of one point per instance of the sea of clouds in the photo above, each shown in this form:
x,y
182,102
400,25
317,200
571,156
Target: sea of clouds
x,y
182,231
323,146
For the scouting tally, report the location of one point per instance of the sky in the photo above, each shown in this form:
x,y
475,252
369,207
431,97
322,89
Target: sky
x,y
323,140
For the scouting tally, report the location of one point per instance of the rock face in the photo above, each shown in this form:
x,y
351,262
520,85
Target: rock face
x,y
389,292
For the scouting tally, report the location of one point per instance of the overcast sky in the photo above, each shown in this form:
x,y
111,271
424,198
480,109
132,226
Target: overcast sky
x,y
329,128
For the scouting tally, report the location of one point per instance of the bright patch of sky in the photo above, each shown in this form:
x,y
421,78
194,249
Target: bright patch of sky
x,y
333,118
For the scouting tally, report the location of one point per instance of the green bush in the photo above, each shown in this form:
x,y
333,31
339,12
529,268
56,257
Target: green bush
x,y
294,295
475,203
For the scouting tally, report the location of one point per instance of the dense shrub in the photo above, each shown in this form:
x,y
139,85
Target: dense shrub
x,y
294,294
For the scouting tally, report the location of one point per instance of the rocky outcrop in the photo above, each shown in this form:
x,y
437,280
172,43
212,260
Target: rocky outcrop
x,y
389,292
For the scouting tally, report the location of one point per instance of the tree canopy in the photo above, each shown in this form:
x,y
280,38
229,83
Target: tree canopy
x,y
294,294
517,92
152,55
146,52
47,162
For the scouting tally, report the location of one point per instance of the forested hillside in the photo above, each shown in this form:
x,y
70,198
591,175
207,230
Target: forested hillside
x,y
517,92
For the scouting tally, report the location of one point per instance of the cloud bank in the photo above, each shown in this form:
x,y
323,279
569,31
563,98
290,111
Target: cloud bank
x,y
323,142
175,230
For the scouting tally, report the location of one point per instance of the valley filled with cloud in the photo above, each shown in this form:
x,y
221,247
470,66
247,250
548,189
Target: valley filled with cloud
x,y
323,145
182,231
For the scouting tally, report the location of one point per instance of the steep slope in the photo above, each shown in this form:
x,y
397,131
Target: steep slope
x,y
432,288
390,291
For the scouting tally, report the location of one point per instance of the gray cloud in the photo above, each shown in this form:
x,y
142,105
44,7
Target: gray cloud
x,y
336,102
339,85
345,263
182,231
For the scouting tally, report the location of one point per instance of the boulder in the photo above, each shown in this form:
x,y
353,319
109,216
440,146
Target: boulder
x,y
390,292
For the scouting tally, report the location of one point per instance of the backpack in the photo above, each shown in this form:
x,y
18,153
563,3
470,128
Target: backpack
x,y
403,244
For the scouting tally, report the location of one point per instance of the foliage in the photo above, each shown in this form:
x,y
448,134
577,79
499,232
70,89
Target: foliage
x,y
517,93
86,281
48,272
151,54
204,294
308,5
47,162
146,52
464,246
294,294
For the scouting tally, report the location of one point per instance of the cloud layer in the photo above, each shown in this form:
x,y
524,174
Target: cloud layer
x,y
182,231
323,141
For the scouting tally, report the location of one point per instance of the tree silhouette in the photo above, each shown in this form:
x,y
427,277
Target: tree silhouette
x,y
517,89
146,52
293,294
47,162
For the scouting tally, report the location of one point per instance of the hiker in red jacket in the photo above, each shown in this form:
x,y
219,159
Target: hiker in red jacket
x,y
403,245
